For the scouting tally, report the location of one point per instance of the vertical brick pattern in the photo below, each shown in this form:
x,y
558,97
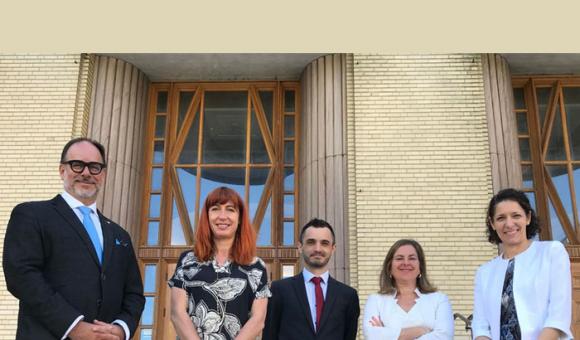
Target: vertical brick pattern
x,y
38,95
419,167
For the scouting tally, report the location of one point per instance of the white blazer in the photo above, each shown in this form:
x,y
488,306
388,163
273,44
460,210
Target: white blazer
x,y
542,292
431,310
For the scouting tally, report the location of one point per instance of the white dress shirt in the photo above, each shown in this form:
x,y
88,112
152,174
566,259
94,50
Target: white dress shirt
x,y
311,294
541,287
75,204
431,310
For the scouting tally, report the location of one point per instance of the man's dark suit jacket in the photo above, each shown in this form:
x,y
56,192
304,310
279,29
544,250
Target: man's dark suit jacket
x,y
51,266
289,313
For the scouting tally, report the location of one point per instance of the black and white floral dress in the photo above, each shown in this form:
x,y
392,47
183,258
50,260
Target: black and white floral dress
x,y
220,297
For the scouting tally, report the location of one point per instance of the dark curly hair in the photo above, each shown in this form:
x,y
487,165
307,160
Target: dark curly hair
x,y
519,197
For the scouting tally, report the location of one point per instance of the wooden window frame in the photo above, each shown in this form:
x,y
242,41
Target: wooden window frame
x,y
539,137
164,254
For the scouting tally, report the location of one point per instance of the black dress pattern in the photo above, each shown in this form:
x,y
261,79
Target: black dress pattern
x,y
220,297
509,325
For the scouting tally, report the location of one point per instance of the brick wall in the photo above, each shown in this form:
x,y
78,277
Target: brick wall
x,y
419,167
38,97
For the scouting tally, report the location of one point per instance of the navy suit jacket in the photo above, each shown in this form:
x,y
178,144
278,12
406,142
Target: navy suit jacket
x,y
289,315
50,265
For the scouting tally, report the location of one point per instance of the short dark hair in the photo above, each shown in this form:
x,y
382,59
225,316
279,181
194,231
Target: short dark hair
x,y
74,141
520,198
317,223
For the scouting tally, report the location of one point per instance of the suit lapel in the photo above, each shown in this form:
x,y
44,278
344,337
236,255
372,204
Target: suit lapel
x,y
108,239
331,296
300,289
73,221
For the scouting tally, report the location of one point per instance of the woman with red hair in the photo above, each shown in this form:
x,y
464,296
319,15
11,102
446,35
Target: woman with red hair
x,y
220,289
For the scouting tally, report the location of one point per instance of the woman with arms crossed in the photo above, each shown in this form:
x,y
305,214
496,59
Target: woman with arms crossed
x,y
524,293
407,306
219,290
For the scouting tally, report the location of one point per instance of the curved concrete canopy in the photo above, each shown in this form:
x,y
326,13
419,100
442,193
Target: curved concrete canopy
x,y
543,63
219,66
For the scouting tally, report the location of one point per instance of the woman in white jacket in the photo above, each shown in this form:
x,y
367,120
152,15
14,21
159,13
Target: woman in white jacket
x,y
524,293
407,306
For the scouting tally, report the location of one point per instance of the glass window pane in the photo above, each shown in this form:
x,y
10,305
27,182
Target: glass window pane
x,y
519,99
158,152
160,127
288,179
153,233
288,239
146,334
289,206
572,105
558,233
522,120
150,278
524,149
267,98
289,152
560,179
185,98
287,270
289,97
258,177
532,197
188,154
556,150
177,237
148,312
188,182
265,233
527,177
258,153
224,127
212,178
289,126
162,102
543,96
576,174
155,206
156,179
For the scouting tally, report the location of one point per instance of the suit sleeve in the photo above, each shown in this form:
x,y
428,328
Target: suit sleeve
x,y
560,283
23,262
273,315
443,329
352,315
480,326
133,299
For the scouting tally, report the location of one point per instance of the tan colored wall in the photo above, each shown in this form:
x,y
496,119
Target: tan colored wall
x,y
419,167
38,100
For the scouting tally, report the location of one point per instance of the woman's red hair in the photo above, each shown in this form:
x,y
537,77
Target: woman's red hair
x,y
244,248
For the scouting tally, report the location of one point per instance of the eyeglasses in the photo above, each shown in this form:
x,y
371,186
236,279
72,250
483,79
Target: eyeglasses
x,y
77,166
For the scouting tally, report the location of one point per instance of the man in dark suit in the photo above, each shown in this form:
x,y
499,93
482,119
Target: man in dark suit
x,y
73,270
313,305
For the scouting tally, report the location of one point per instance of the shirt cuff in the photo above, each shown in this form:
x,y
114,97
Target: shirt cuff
x,y
77,320
124,326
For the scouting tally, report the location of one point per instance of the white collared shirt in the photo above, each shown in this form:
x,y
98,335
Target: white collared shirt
x,y
311,294
75,204
431,310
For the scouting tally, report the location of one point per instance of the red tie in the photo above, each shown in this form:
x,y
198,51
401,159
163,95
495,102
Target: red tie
x,y
319,299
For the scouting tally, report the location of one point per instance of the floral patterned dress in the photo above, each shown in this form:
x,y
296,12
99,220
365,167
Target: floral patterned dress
x,y
220,297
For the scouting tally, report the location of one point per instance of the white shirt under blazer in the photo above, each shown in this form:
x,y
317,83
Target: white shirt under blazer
x,y
541,286
431,310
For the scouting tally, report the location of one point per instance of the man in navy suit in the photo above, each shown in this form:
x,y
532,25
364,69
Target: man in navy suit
x,y
313,305
73,270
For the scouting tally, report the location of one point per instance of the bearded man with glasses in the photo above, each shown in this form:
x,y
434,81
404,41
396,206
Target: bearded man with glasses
x,y
73,270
